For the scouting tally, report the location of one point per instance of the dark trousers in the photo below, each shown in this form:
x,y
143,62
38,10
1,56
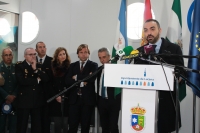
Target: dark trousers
x,y
46,121
80,113
12,123
109,114
58,124
23,116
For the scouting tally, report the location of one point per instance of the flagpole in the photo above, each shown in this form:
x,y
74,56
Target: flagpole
x,y
194,113
177,75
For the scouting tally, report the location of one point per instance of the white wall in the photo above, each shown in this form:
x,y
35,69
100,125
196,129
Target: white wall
x,y
69,23
12,6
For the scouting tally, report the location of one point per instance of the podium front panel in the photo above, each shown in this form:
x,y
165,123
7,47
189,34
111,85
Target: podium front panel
x,y
138,111
148,77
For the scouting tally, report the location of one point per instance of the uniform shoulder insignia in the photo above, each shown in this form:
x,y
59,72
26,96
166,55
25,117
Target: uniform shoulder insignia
x,y
19,62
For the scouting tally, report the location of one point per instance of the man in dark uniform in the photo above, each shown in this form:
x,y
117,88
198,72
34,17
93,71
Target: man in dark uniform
x,y
166,109
8,92
31,79
47,88
82,97
108,104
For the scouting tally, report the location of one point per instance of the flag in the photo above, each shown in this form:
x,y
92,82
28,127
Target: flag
x,y
194,48
174,31
121,36
174,35
147,15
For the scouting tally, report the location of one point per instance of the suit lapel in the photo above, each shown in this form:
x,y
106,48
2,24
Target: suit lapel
x,y
27,66
163,47
85,67
45,62
98,79
77,67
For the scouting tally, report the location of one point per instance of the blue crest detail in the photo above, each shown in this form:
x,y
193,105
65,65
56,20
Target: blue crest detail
x,y
152,84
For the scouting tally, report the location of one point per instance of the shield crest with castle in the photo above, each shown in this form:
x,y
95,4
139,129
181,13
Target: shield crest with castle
x,y
138,118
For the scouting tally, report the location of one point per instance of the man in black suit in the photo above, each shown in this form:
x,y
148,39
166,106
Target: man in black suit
x,y
108,104
31,79
45,62
82,97
166,109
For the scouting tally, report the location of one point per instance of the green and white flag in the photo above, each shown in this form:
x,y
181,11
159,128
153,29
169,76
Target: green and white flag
x,y
174,35
174,31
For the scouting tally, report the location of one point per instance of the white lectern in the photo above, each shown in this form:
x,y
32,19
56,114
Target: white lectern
x,y
139,99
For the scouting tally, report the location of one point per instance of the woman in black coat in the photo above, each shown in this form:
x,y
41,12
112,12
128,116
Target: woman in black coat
x,y
60,65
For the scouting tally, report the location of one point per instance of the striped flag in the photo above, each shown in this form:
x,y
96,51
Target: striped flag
x,y
147,15
174,31
174,35
121,35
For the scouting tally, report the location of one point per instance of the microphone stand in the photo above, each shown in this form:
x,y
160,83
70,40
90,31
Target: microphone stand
x,y
194,102
76,83
177,74
62,112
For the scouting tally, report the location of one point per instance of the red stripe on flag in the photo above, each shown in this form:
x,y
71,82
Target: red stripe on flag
x,y
147,10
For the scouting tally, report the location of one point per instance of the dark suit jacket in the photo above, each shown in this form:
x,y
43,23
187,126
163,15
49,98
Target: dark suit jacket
x,y
110,92
88,91
30,94
166,106
47,86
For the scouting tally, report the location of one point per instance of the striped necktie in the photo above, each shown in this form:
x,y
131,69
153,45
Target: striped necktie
x,y
82,63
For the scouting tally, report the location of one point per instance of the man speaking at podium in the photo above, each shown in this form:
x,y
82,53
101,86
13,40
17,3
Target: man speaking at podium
x,y
166,109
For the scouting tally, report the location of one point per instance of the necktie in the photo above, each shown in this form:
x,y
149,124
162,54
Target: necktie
x,y
156,50
41,61
82,63
103,87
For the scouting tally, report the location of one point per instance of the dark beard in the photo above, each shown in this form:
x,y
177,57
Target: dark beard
x,y
155,39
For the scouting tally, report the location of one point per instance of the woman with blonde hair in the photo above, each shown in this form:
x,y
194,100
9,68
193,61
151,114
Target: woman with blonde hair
x,y
59,107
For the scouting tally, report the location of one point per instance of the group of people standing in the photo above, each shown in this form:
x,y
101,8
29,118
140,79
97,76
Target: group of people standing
x,y
40,77
30,83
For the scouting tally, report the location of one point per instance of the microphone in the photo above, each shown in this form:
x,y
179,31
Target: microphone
x,y
133,54
149,49
128,50
119,53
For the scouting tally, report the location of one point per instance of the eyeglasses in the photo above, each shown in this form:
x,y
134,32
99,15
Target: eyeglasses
x,y
7,55
31,54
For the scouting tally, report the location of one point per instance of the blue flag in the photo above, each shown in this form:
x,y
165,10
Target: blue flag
x,y
121,33
121,36
122,19
195,48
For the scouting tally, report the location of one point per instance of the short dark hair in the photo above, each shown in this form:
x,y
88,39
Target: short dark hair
x,y
37,44
150,20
